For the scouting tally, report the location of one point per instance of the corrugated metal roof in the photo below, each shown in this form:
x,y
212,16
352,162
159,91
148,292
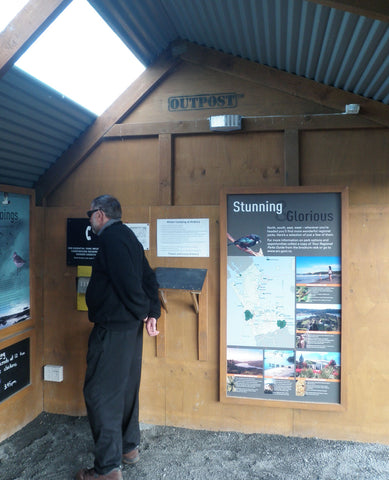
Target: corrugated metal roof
x,y
37,124
330,46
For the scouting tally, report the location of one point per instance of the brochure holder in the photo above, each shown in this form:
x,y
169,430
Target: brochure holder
x,y
195,281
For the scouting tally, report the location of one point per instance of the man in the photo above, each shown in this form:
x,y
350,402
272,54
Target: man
x,y
122,295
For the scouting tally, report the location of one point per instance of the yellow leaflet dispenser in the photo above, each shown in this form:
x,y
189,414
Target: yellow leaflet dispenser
x,y
83,276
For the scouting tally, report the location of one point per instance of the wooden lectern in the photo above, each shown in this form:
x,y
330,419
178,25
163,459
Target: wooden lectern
x,y
195,281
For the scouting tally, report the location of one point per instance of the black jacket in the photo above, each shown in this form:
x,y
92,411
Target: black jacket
x,y
123,289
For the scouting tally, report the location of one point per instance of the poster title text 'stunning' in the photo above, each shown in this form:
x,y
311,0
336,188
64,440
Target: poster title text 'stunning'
x,y
265,207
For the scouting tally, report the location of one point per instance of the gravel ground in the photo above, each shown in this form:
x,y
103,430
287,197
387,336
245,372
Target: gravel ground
x,y
56,446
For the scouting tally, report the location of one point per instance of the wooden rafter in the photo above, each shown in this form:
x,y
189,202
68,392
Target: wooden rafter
x,y
25,28
261,124
377,9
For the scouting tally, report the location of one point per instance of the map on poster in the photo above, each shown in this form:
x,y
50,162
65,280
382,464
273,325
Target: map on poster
x,y
261,307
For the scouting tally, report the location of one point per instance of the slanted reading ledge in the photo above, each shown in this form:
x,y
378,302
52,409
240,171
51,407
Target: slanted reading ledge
x,y
195,281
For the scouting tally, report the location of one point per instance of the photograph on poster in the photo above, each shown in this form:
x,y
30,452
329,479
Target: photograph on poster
x,y
318,318
318,365
318,376
319,341
14,259
279,363
282,285
244,361
318,271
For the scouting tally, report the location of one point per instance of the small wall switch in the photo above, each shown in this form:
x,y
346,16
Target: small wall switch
x,y
53,373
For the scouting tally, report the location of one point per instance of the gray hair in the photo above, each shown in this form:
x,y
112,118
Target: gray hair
x,y
109,205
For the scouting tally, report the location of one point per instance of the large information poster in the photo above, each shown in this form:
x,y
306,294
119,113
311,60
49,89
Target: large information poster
x,y
14,258
282,272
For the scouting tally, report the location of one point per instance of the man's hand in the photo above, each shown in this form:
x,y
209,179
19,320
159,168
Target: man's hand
x,y
151,326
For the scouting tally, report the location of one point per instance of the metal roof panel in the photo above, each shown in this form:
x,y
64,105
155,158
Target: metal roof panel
x,y
330,46
37,125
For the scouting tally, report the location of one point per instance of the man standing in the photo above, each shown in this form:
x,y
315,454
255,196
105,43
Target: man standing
x,y
121,296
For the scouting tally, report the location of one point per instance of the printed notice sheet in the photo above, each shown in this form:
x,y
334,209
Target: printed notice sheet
x,y
142,232
183,237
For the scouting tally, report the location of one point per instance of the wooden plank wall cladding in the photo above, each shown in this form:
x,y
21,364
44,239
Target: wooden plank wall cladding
x,y
165,163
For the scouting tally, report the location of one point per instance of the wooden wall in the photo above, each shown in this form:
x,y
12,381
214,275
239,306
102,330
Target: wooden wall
x,y
157,173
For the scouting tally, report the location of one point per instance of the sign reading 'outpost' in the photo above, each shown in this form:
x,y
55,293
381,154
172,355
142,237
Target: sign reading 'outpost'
x,y
203,101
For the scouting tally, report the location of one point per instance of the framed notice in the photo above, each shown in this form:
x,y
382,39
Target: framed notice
x,y
14,368
81,243
281,296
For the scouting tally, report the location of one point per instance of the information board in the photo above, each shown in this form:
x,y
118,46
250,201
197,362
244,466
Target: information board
x,y
14,368
81,243
14,258
281,260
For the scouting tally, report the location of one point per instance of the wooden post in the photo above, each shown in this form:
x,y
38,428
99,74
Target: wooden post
x,y
165,169
291,157
202,319
161,337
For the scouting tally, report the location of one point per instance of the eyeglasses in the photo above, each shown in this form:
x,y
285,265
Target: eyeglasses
x,y
91,212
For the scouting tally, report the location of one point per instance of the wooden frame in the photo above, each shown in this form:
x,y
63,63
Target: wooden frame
x,y
29,323
269,400
25,28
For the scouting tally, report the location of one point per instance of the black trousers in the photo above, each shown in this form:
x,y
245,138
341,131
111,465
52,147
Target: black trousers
x,y
111,392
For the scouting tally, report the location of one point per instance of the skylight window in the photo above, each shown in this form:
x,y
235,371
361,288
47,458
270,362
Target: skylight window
x,y
82,58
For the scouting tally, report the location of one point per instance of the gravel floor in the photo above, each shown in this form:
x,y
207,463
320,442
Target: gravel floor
x,y
56,446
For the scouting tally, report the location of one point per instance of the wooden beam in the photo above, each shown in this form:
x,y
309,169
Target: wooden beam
x,y
89,140
25,28
300,87
166,169
264,124
292,157
377,9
